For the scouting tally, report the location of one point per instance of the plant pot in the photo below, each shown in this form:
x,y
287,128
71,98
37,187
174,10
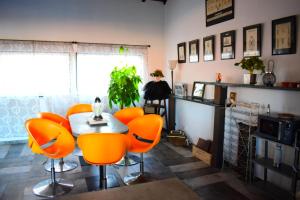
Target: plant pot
x,y
250,79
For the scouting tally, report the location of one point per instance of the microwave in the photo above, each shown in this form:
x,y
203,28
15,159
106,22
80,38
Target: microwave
x,y
279,127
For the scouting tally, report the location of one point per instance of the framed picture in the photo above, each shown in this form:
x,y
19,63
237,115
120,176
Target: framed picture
x,y
284,36
209,48
198,90
181,51
180,89
218,11
228,45
194,51
252,40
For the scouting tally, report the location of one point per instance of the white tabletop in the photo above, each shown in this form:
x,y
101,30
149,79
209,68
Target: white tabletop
x,y
79,124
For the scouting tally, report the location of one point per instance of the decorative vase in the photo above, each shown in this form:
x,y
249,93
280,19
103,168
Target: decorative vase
x,y
250,79
269,78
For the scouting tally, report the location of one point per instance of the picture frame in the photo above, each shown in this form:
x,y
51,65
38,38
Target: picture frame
x,y
284,35
252,40
198,90
209,48
217,11
227,45
194,51
181,52
180,89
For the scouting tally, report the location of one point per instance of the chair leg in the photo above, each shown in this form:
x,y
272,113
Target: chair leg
x,y
106,181
61,165
52,187
138,177
102,176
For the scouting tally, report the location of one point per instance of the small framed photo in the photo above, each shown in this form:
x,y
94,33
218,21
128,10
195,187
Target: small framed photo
x,y
198,90
252,40
180,89
218,11
194,51
228,45
181,51
284,36
209,48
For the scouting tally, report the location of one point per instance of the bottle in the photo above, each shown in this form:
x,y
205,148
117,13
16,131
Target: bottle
x,y
268,109
97,109
277,156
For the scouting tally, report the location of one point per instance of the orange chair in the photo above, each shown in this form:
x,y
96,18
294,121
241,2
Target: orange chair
x,y
144,133
128,114
102,149
55,142
79,108
125,116
59,165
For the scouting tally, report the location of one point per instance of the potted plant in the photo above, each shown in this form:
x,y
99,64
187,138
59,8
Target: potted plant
x,y
251,64
124,86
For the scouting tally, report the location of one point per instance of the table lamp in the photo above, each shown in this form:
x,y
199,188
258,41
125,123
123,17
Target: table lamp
x,y
172,66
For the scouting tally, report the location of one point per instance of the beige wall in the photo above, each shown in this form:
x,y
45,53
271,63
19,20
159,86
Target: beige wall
x,y
104,21
185,21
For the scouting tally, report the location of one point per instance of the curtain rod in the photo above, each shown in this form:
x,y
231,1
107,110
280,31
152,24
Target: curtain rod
x,y
75,42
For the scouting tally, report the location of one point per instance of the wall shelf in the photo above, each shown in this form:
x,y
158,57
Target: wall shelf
x,y
284,169
249,86
289,171
201,101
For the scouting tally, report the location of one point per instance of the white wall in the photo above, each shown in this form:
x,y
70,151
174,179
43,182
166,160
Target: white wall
x,y
103,21
185,21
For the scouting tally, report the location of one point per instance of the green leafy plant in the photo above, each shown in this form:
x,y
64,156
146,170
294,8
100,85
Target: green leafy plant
x,y
124,86
251,64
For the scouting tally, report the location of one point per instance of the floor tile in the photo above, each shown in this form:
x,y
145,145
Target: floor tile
x,y
14,170
20,170
188,166
4,150
219,191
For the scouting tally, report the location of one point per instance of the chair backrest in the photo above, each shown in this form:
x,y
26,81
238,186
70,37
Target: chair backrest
x,y
128,114
148,128
55,118
54,140
102,148
79,108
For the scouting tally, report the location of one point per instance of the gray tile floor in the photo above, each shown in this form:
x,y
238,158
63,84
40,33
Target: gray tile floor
x,y
20,170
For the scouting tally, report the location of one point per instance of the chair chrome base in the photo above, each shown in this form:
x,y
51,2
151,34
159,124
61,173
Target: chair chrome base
x,y
136,178
77,152
47,189
128,160
61,165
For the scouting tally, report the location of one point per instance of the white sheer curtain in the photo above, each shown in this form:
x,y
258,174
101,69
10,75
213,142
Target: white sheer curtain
x,y
95,63
51,76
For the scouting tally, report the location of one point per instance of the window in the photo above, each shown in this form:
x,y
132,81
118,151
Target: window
x,y
93,71
28,74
